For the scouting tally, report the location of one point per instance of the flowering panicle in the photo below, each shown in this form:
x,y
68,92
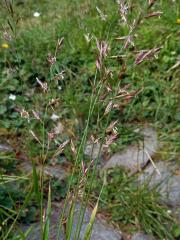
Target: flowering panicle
x,y
109,88
84,168
129,41
35,137
25,114
110,139
144,54
51,59
122,38
60,42
132,94
154,14
60,148
151,3
36,115
59,76
54,101
130,37
111,126
73,148
108,108
59,45
101,14
44,86
103,48
123,9
94,140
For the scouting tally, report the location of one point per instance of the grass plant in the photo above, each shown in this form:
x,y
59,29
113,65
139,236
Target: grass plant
x,y
96,73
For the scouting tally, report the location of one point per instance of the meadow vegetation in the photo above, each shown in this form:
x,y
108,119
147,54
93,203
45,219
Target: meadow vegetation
x,y
65,76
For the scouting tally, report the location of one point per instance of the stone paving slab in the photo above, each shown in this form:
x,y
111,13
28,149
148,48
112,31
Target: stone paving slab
x,y
54,171
142,236
167,182
101,229
5,148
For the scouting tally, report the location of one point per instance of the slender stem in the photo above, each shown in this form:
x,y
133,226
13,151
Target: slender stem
x,y
77,158
93,174
80,174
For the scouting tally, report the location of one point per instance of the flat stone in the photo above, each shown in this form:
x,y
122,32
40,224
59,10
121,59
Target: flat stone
x,y
101,230
35,231
53,171
142,236
135,157
5,148
164,178
175,211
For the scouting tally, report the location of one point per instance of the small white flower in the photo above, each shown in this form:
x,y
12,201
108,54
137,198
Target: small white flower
x,y
54,117
12,97
36,14
60,88
169,211
136,130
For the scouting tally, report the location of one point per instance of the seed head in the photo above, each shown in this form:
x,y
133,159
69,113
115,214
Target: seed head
x,y
101,14
108,108
151,3
111,126
146,54
6,36
154,14
36,115
51,59
44,86
35,137
24,114
73,148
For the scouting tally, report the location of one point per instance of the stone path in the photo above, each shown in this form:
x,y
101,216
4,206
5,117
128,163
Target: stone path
x,y
5,148
142,236
166,181
101,230
135,158
160,174
54,171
